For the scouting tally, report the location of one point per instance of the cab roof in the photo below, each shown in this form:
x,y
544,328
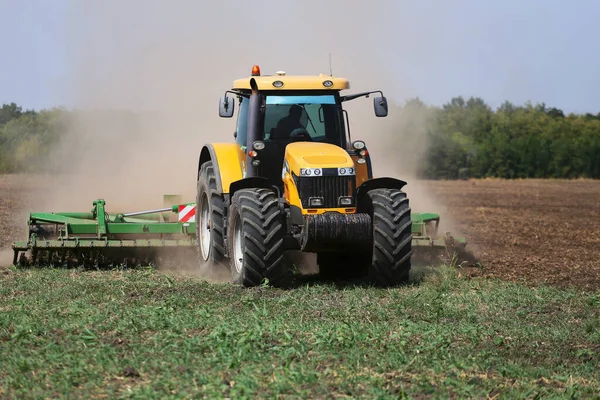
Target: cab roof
x,y
293,82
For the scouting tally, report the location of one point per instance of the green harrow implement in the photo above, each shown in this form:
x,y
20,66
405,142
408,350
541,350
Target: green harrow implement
x,y
101,239
154,237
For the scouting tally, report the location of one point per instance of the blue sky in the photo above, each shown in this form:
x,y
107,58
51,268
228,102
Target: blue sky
x,y
517,50
34,63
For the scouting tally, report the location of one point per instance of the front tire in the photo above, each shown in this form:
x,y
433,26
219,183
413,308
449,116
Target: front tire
x,y
392,237
256,239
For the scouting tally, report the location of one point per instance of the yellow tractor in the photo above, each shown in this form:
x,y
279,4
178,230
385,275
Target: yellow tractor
x,y
294,180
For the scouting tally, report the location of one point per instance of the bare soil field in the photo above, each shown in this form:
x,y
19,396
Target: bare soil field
x,y
535,231
18,196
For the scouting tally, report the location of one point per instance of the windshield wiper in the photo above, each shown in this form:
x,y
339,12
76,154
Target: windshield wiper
x,y
309,119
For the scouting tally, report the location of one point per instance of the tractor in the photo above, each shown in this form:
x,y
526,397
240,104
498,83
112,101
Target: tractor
x,y
293,179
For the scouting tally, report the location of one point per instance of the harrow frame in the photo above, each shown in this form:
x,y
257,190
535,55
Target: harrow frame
x,y
61,237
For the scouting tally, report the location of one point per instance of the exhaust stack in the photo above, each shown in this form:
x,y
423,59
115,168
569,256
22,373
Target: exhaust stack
x,y
252,132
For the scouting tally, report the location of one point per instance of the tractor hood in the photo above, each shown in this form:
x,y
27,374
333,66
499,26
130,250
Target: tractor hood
x,y
316,155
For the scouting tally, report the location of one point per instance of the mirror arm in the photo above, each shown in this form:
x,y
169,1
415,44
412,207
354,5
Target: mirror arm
x,y
234,92
237,93
357,95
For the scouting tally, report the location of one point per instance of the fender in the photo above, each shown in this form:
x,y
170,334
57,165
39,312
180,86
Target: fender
x,y
252,182
376,183
226,162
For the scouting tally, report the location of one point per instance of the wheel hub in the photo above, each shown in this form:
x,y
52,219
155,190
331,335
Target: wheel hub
x,y
205,232
238,255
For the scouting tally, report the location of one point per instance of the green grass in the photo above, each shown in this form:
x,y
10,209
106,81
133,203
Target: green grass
x,y
141,334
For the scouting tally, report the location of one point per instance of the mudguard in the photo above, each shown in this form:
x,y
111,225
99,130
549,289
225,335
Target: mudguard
x,y
376,183
228,162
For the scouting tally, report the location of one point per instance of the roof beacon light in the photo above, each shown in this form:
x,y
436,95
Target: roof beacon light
x,y
255,70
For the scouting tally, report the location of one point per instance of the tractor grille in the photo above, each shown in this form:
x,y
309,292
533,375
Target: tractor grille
x,y
330,188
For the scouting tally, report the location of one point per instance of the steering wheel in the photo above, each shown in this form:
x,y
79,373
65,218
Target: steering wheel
x,y
300,133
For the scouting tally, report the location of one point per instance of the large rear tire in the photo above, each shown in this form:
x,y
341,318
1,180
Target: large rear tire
x,y
210,223
392,237
256,239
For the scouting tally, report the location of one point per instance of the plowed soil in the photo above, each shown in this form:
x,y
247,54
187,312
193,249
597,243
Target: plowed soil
x,y
18,196
535,231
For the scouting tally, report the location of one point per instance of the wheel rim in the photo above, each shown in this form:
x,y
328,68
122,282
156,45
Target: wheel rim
x,y
205,234
238,254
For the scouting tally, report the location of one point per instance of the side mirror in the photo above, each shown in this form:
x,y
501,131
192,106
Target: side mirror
x,y
226,107
381,106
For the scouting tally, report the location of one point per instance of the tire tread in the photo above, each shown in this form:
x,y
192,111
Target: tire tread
x,y
263,231
392,237
207,182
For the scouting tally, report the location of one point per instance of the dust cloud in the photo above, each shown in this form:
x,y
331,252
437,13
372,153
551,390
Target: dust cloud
x,y
6,258
148,76
400,151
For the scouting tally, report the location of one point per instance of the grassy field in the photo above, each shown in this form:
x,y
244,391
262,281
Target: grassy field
x,y
142,334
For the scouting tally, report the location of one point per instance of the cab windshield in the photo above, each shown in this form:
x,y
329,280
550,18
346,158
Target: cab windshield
x,y
309,117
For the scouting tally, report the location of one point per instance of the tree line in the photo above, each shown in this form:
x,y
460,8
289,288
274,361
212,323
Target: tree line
x,y
469,139
27,137
465,138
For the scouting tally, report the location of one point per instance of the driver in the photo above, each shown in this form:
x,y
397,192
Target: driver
x,y
289,123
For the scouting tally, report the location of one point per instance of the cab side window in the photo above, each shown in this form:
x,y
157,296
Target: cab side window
x,y
242,122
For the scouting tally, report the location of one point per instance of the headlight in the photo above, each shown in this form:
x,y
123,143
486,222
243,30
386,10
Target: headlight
x,y
315,201
310,171
345,171
345,201
258,145
358,145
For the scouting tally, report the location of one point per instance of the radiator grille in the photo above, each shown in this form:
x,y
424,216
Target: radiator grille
x,y
330,188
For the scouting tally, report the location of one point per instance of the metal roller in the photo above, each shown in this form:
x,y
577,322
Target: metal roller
x,y
333,232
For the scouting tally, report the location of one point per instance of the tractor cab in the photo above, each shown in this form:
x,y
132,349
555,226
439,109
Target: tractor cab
x,y
288,117
290,109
